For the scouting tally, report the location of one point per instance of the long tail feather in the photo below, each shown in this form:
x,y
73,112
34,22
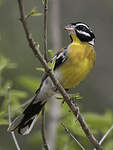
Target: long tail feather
x,y
25,129
25,121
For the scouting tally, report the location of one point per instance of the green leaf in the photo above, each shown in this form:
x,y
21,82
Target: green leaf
x,y
37,14
59,97
77,96
4,122
34,12
51,65
51,53
40,69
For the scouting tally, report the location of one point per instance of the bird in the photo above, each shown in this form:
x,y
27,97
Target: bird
x,y
72,65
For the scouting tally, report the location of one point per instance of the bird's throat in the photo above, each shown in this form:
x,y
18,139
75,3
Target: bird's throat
x,y
74,39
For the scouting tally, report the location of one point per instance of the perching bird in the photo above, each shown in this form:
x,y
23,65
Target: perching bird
x,y
72,64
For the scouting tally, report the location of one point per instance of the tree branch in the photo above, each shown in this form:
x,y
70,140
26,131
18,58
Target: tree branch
x,y
9,116
106,134
43,130
73,107
46,58
45,30
67,130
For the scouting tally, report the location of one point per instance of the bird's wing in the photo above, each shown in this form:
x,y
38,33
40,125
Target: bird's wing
x,y
60,57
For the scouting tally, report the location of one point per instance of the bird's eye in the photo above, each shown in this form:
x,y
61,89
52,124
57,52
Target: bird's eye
x,y
83,28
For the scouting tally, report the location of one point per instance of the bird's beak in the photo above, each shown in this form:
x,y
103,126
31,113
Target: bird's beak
x,y
69,28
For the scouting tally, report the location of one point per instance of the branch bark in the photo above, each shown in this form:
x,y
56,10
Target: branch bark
x,y
46,58
45,30
43,130
72,136
9,117
105,136
67,98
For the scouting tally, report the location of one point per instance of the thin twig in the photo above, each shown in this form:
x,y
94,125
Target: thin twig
x,y
43,130
9,117
72,106
46,58
67,130
106,134
45,30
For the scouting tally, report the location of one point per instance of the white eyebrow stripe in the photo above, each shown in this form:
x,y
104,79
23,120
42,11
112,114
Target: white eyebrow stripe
x,y
83,32
81,24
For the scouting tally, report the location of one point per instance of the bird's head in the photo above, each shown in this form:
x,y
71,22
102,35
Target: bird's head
x,y
82,31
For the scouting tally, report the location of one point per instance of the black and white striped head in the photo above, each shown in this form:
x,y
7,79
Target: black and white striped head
x,y
83,32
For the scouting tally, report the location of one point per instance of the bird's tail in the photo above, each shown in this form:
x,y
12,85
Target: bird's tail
x,y
25,121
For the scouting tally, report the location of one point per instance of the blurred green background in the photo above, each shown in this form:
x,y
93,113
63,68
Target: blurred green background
x,y
96,89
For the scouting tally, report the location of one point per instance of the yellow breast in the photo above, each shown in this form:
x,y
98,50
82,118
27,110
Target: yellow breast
x,y
81,58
